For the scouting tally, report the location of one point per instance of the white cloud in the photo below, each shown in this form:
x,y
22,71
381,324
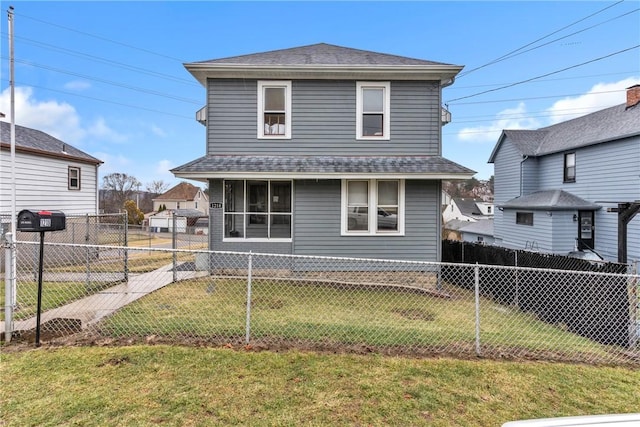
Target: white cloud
x,y
511,118
99,129
164,166
158,131
58,119
113,164
600,96
78,85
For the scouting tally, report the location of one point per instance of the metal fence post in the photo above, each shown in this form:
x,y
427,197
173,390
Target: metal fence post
x,y
174,245
88,255
477,298
517,296
248,325
9,285
126,243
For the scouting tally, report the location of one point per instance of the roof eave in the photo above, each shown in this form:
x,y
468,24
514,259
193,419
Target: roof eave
x,y
442,73
203,176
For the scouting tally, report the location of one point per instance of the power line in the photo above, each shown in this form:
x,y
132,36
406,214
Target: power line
x,y
537,40
497,101
101,38
450,88
544,75
110,102
102,60
133,88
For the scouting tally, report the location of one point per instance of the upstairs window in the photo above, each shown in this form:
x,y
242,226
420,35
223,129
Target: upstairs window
x,y
373,105
570,167
74,178
274,109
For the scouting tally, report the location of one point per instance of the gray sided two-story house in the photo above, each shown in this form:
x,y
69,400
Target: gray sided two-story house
x,y
324,150
572,185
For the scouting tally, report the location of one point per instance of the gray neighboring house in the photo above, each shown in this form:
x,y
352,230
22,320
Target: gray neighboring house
x,y
324,150
575,184
478,232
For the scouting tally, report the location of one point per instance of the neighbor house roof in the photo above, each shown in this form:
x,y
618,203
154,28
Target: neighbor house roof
x,y
322,167
317,60
484,227
611,124
183,191
550,200
468,206
36,142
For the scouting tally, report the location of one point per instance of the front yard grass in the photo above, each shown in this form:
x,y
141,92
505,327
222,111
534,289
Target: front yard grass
x,y
186,386
333,316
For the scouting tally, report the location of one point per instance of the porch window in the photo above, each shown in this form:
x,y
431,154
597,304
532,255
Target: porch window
x,y
373,105
524,218
570,167
274,109
257,209
372,207
73,178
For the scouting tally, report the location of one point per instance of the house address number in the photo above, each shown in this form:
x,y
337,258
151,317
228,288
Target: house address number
x,y
215,205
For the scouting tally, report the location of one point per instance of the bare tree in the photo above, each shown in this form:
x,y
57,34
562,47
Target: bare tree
x,y
121,187
157,187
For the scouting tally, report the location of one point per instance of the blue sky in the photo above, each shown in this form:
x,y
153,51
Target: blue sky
x,y
108,77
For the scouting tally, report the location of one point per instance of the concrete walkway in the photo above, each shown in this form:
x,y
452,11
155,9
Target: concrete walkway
x,y
93,308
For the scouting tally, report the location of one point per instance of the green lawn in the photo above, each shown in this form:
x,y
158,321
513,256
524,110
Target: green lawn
x,y
332,316
186,386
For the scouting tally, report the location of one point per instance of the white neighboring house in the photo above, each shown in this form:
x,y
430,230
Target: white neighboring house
x,y
186,201
49,174
467,209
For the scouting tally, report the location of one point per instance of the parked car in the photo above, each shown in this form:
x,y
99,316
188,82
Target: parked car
x,y
359,218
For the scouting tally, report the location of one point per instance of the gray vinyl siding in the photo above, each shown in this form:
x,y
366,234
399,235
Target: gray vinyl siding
x,y
317,224
529,176
506,184
323,120
605,173
519,236
565,231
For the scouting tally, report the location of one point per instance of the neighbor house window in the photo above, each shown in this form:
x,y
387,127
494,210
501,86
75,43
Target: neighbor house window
x,y
257,209
524,218
372,206
570,167
274,109
74,178
373,116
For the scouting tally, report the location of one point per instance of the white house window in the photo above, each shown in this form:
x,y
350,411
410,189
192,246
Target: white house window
x,y
74,178
257,209
274,109
373,110
372,207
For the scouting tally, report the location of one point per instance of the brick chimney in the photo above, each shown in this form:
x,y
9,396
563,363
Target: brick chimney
x,y
633,96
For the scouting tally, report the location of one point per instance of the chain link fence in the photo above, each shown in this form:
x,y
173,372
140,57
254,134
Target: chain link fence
x,y
334,304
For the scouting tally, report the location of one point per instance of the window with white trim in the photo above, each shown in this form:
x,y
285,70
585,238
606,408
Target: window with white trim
x,y
274,109
257,209
373,118
73,178
372,206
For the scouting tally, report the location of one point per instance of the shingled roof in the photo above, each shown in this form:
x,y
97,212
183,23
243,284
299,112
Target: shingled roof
x,y
37,142
321,60
550,200
183,191
322,166
611,124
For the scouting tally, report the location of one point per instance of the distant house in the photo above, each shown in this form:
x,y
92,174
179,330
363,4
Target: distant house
x,y
324,150
183,196
575,184
477,232
467,209
49,173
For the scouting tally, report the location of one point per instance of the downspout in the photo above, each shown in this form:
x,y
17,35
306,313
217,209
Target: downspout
x,y
524,159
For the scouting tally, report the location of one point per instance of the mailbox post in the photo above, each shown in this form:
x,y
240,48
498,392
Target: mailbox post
x,y
41,221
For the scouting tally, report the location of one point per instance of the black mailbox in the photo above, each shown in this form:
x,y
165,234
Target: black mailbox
x,y
29,220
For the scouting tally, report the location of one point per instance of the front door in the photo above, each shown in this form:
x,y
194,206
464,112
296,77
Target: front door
x,y
586,230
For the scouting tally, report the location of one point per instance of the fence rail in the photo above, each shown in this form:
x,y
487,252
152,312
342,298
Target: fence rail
x,y
343,304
